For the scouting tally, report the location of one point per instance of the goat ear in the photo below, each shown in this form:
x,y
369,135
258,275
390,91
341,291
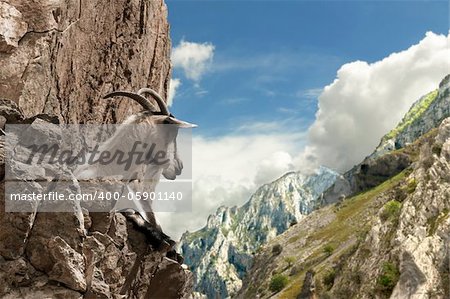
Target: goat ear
x,y
179,123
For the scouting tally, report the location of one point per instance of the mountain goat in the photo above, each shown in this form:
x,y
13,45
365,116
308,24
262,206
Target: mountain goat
x,y
160,128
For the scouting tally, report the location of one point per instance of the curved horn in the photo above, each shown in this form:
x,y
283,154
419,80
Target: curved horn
x,y
146,104
159,100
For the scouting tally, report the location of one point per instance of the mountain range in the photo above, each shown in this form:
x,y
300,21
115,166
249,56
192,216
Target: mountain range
x,y
315,232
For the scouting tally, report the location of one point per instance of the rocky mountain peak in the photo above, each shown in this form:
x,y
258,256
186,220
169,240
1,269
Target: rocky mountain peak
x,y
220,253
445,82
246,247
388,239
389,158
388,242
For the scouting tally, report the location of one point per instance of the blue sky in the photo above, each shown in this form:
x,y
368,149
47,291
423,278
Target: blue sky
x,y
271,56
253,74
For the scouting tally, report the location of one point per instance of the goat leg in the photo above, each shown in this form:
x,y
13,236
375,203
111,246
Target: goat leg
x,y
173,255
155,236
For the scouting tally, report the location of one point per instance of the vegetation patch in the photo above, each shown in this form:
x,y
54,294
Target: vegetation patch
x,y
277,249
224,231
328,278
289,260
388,278
391,210
328,249
411,186
294,239
278,282
354,217
213,259
413,114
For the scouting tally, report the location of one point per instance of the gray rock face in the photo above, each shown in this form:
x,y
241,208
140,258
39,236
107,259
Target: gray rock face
x,y
421,118
373,171
423,233
417,243
221,253
389,242
60,57
386,160
12,27
77,254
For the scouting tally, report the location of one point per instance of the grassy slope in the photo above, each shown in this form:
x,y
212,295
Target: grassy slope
x,y
413,114
352,220
340,226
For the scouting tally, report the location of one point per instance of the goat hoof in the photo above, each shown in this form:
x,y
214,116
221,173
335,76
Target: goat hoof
x,y
180,259
173,255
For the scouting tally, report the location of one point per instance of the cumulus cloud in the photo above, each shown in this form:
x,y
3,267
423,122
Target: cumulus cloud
x,y
193,58
277,164
228,169
363,103
173,86
366,100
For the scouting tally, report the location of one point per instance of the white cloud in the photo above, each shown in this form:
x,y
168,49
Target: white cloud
x,y
312,93
366,100
273,166
363,103
173,86
200,92
228,169
193,58
260,126
278,62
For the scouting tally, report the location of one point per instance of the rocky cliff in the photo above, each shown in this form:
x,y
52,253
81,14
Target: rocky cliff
x,y
388,242
58,58
425,114
265,253
389,239
221,253
388,159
